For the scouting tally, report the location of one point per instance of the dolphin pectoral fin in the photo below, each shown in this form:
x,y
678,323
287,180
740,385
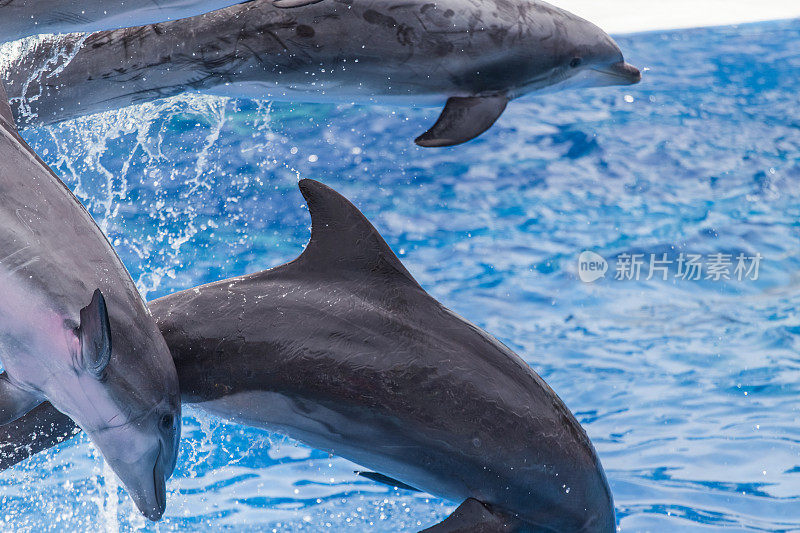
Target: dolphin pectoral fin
x,y
474,517
287,4
463,119
40,429
15,401
386,480
95,335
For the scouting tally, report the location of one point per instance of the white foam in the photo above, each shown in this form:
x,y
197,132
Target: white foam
x,y
628,16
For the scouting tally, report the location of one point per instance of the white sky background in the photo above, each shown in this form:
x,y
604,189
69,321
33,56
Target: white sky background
x,y
628,16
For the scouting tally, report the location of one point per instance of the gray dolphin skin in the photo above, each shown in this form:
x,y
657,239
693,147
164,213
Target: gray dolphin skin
x,y
23,18
470,56
74,330
343,350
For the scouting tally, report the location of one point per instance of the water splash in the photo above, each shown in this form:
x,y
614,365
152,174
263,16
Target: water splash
x,y
60,52
149,173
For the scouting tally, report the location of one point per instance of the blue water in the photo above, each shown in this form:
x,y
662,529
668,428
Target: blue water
x,y
689,389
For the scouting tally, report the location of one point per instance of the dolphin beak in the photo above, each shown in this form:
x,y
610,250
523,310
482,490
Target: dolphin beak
x,y
147,488
156,510
159,505
624,73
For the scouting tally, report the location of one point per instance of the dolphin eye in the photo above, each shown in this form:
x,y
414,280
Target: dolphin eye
x,y
576,62
166,422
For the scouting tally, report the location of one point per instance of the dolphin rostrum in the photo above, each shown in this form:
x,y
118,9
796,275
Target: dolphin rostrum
x,y
23,18
343,350
472,56
74,330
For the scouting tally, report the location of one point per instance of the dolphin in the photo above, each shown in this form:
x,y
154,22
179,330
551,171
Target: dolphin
x,y
74,330
471,56
23,18
343,350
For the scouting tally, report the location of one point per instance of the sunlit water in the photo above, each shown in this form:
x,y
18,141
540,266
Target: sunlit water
x,y
689,389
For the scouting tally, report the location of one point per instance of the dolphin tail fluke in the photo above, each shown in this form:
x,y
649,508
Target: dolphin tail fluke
x,y
40,429
474,517
463,119
15,401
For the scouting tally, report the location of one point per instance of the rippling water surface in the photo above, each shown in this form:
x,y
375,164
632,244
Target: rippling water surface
x,y
689,389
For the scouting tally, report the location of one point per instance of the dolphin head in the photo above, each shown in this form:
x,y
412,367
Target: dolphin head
x,y
122,390
591,58
143,453
566,51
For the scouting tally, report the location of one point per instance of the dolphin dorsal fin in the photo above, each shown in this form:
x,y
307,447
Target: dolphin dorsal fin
x,y
6,116
342,239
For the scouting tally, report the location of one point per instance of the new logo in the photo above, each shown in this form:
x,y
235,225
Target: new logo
x,y
591,267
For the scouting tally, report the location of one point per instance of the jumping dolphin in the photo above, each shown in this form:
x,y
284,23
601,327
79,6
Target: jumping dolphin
x,y
472,56
23,18
74,330
343,350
